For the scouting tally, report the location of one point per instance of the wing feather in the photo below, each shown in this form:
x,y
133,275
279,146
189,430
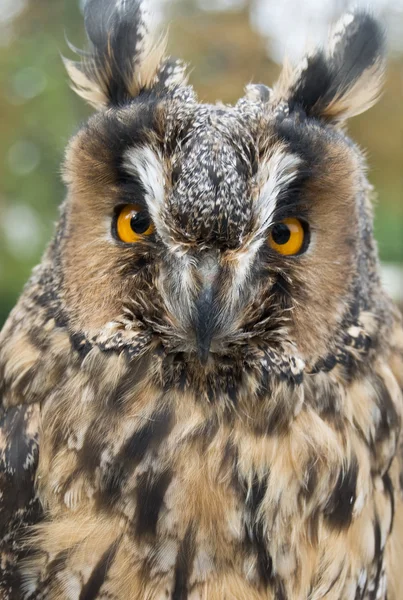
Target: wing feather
x,y
19,505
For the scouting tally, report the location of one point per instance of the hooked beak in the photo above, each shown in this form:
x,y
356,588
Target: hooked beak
x,y
205,318
205,322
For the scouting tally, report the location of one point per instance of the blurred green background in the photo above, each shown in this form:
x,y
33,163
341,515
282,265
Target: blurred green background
x,y
228,44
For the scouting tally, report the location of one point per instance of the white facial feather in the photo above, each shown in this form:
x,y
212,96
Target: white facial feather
x,y
143,162
278,172
275,174
241,269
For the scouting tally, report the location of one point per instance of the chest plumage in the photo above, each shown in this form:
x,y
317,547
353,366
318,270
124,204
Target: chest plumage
x,y
201,383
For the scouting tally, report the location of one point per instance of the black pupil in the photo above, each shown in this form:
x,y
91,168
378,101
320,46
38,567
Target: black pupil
x,y
280,234
140,222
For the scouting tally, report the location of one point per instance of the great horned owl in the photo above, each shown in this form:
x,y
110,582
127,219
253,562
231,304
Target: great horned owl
x,y
201,382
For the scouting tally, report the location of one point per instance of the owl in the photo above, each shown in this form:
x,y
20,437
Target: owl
x,y
201,383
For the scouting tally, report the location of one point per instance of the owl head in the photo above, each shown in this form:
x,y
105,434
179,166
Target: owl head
x,y
213,233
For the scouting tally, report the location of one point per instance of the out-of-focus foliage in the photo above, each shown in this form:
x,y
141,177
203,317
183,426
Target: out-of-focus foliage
x,y
38,113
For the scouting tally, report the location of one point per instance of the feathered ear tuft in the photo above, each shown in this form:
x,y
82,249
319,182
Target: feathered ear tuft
x,y
343,80
126,55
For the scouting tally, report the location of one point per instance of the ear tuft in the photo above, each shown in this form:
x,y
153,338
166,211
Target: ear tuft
x,y
126,55
346,78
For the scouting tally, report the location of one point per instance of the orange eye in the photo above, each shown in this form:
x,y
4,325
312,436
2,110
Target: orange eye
x,y
133,224
287,237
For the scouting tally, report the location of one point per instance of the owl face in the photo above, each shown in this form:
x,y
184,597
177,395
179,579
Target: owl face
x,y
216,229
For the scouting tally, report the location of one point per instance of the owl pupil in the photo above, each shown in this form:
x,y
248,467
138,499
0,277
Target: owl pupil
x,y
140,222
281,234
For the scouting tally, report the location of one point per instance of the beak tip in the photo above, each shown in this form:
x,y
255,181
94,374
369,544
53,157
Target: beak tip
x,y
203,353
204,324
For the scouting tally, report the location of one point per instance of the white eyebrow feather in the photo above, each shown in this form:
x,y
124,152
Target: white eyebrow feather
x,y
146,164
277,172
